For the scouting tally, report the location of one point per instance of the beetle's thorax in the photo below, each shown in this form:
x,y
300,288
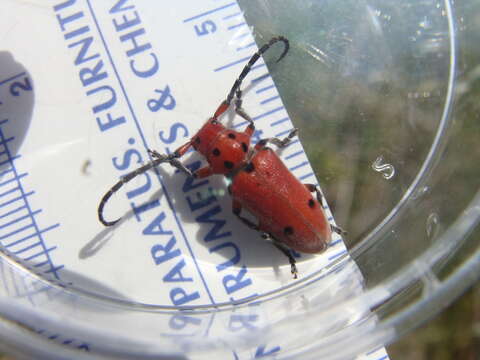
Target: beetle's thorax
x,y
225,150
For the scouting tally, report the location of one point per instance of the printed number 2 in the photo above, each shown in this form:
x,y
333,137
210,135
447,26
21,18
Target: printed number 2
x,y
19,86
205,28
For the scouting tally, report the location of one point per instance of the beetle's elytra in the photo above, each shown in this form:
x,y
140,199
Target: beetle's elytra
x,y
289,214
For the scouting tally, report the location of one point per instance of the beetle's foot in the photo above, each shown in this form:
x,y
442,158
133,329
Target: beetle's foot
x,y
338,230
155,154
294,270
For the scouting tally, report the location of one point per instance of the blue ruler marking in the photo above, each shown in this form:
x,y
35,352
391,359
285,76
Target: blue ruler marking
x,y
236,26
27,248
31,257
16,231
10,159
337,255
302,164
246,46
204,13
16,242
278,122
257,66
261,78
242,60
301,152
283,133
242,35
303,177
265,88
2,82
232,16
336,242
20,197
15,178
13,211
8,192
263,102
14,221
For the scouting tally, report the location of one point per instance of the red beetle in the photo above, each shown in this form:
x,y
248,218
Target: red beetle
x,y
288,215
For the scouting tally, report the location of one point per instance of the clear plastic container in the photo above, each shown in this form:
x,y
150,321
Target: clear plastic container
x,y
385,96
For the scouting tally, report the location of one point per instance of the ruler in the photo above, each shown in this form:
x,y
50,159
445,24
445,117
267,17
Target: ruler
x,y
87,87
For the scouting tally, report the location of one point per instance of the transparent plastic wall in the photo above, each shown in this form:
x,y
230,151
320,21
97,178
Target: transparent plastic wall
x,y
385,97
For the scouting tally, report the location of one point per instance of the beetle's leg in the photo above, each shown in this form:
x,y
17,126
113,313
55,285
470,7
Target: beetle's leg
x,y
174,162
237,209
276,141
221,109
239,110
204,172
338,230
312,188
238,107
285,250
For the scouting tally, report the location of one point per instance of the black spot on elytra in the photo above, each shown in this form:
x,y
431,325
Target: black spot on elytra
x,y
288,230
249,168
231,135
216,152
311,203
244,147
228,164
262,142
197,140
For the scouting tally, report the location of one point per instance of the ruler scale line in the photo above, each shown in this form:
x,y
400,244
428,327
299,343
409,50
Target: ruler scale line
x,y
261,78
236,62
18,219
232,16
246,46
21,197
24,196
2,82
9,191
265,88
209,12
305,163
13,211
43,252
32,235
236,26
294,154
27,248
10,160
281,121
266,101
16,231
306,176
5,172
16,178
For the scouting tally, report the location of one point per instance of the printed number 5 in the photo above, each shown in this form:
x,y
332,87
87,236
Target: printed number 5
x,y
205,28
